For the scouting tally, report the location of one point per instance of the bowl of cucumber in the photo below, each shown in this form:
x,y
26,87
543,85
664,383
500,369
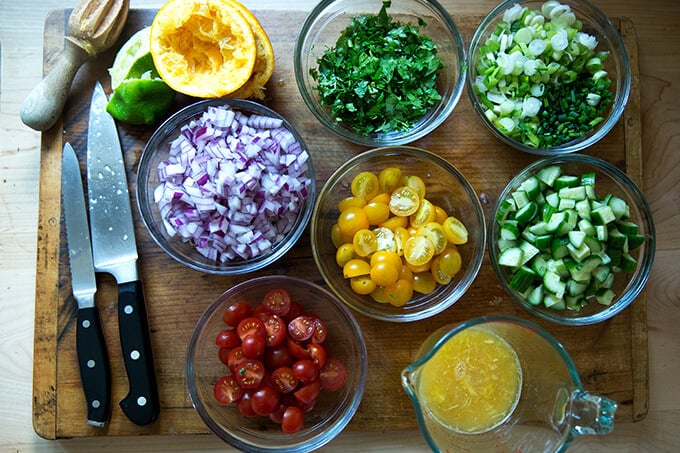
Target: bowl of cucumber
x,y
572,239
548,77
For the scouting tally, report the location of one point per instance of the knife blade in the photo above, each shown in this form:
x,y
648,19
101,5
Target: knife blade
x,y
114,250
93,359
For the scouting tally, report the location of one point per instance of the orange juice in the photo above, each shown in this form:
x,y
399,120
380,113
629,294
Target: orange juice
x,y
473,382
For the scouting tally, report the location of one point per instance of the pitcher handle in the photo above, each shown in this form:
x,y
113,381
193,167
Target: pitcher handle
x,y
591,414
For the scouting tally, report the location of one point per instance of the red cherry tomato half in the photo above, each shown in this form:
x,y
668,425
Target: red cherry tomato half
x,y
234,359
244,405
277,356
320,333
249,373
276,330
277,415
297,349
283,380
305,371
333,375
236,312
251,325
265,400
228,338
277,301
301,328
317,354
306,395
294,311
253,346
223,354
227,390
292,420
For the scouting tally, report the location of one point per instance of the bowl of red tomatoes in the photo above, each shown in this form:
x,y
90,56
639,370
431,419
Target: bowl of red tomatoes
x,y
398,233
276,363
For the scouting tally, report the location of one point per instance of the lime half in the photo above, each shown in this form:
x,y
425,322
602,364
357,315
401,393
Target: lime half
x,y
139,96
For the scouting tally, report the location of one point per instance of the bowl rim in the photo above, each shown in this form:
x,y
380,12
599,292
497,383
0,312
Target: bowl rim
x,y
621,97
634,287
321,438
420,128
474,265
183,116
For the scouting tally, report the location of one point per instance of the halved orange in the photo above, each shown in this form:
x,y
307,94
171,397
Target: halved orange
x,y
264,60
203,48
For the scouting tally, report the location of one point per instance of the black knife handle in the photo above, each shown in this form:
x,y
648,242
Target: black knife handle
x,y
93,362
141,405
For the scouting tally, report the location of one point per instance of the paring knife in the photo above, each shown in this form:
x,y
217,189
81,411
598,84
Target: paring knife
x,y
90,345
115,251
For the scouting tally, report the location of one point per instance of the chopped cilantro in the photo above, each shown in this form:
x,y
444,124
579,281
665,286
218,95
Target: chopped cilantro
x,y
381,75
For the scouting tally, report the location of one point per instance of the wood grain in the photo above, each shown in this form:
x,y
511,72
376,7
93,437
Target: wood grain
x,y
611,356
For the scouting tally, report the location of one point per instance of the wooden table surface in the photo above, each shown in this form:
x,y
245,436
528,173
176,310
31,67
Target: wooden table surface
x,y
21,27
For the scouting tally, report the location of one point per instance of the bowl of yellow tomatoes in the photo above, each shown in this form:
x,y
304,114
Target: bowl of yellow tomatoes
x,y
398,233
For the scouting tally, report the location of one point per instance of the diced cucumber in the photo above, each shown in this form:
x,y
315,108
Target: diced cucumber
x,y
504,209
627,228
511,257
539,228
523,279
628,263
556,220
554,302
526,213
566,203
635,241
532,187
558,267
575,288
586,226
510,230
536,295
588,179
577,238
553,199
600,273
602,215
605,296
578,253
619,207
602,232
543,242
565,181
539,265
520,198
553,283
576,193
528,251
559,248
548,175
616,239
583,209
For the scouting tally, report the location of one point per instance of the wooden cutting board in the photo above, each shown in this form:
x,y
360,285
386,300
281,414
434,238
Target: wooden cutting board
x,y
611,356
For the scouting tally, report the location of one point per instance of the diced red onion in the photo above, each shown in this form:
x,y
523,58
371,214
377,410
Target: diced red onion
x,y
232,184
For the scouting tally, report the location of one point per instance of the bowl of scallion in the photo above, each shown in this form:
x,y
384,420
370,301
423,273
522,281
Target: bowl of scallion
x,y
380,73
572,239
548,77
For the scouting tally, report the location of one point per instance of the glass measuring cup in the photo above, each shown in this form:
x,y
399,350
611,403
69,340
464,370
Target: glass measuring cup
x,y
537,402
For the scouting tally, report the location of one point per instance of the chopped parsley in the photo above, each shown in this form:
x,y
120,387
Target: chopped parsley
x,y
381,75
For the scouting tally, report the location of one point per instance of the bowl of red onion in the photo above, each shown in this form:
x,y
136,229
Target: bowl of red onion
x,y
225,186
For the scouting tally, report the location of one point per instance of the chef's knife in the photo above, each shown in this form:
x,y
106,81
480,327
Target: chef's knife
x,y
90,345
115,251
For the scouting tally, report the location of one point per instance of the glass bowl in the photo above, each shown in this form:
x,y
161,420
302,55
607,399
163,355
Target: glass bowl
x,y
446,187
157,151
626,286
321,31
333,409
616,64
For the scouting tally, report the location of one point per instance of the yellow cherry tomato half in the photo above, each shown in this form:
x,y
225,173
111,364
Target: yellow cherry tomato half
x,y
450,261
362,285
365,242
418,250
404,201
383,197
455,230
355,268
439,275
386,241
424,282
352,220
351,202
365,185
416,183
384,274
395,222
399,293
377,212
389,178
379,295
336,235
435,233
424,214
386,257
401,235
344,253
440,214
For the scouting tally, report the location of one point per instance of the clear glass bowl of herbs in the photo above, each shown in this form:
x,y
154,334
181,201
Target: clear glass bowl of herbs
x,y
548,77
380,73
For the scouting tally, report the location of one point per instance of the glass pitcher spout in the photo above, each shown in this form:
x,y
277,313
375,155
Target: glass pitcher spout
x,y
591,414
